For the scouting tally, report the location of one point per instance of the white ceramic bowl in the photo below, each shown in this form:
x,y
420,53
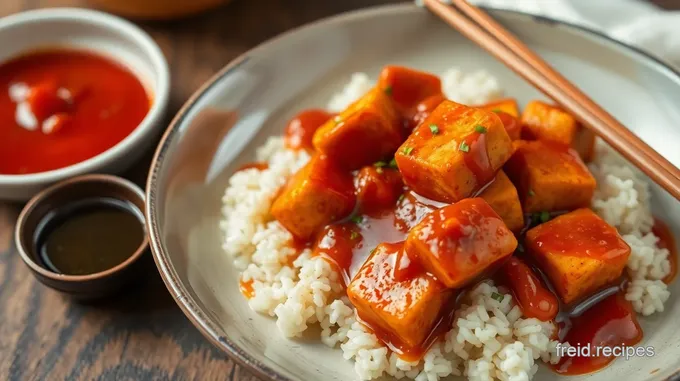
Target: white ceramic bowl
x,y
252,98
104,34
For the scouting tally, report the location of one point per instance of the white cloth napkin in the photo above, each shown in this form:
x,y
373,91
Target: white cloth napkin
x,y
632,21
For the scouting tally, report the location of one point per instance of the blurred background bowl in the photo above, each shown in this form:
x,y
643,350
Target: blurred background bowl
x,y
157,9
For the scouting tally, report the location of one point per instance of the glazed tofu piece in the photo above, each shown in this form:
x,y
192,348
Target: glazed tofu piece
x,y
454,152
405,308
377,187
319,193
407,87
579,252
549,177
461,242
502,196
511,124
506,105
541,121
367,131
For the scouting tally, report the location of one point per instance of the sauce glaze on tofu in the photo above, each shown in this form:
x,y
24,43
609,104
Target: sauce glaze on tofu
x,y
454,152
415,198
579,252
458,242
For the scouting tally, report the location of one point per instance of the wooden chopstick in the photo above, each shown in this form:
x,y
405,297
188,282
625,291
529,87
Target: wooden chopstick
x,y
496,40
521,50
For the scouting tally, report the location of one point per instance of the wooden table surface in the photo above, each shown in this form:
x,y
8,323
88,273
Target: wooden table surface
x,y
141,335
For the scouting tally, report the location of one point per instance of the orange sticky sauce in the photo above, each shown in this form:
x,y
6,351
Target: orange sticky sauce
x,y
247,288
95,103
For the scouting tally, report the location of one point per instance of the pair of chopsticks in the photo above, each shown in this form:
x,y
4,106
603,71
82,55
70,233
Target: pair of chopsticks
x,y
480,28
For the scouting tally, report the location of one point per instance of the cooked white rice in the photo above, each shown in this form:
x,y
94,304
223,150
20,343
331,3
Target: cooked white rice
x,y
489,339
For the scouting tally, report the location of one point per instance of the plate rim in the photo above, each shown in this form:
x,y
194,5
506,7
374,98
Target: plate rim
x,y
177,290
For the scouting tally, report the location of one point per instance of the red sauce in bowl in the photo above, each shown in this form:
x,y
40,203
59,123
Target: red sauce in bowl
x,y
73,105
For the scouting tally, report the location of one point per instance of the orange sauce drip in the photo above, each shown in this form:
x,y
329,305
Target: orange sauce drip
x,y
422,110
477,159
512,125
257,165
610,323
666,241
247,288
535,300
574,237
300,130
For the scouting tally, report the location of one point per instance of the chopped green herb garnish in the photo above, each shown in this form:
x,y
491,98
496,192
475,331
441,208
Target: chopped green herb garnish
x,y
354,235
434,129
497,110
337,119
464,147
531,193
379,170
393,163
357,219
379,164
408,150
496,296
480,129
401,198
388,90
545,216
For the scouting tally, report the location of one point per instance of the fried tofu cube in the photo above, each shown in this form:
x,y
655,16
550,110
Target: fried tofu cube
x,y
408,308
511,124
407,87
461,242
502,196
367,131
377,187
454,152
541,121
549,177
506,105
579,252
319,193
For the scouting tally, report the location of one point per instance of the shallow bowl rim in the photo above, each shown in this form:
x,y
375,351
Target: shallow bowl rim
x,y
178,291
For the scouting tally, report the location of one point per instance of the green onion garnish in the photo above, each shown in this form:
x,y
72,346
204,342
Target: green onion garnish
x,y
388,90
354,235
464,147
434,129
357,219
408,150
496,296
545,216
393,163
480,129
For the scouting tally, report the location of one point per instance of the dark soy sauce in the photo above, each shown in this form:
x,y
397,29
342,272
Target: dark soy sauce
x,y
89,236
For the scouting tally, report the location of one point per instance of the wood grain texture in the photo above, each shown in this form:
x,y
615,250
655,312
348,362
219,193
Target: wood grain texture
x,y
140,335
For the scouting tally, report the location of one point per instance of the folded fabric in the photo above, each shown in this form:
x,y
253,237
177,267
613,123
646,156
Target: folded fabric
x,y
631,21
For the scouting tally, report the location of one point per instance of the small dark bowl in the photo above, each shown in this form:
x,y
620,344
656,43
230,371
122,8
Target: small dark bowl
x,y
85,287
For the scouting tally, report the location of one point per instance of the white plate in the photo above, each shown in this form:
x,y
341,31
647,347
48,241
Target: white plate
x,y
269,84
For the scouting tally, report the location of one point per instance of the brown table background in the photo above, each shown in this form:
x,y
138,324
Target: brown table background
x,y
141,335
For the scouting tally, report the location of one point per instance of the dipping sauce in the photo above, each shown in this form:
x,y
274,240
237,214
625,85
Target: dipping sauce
x,y
59,107
89,236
